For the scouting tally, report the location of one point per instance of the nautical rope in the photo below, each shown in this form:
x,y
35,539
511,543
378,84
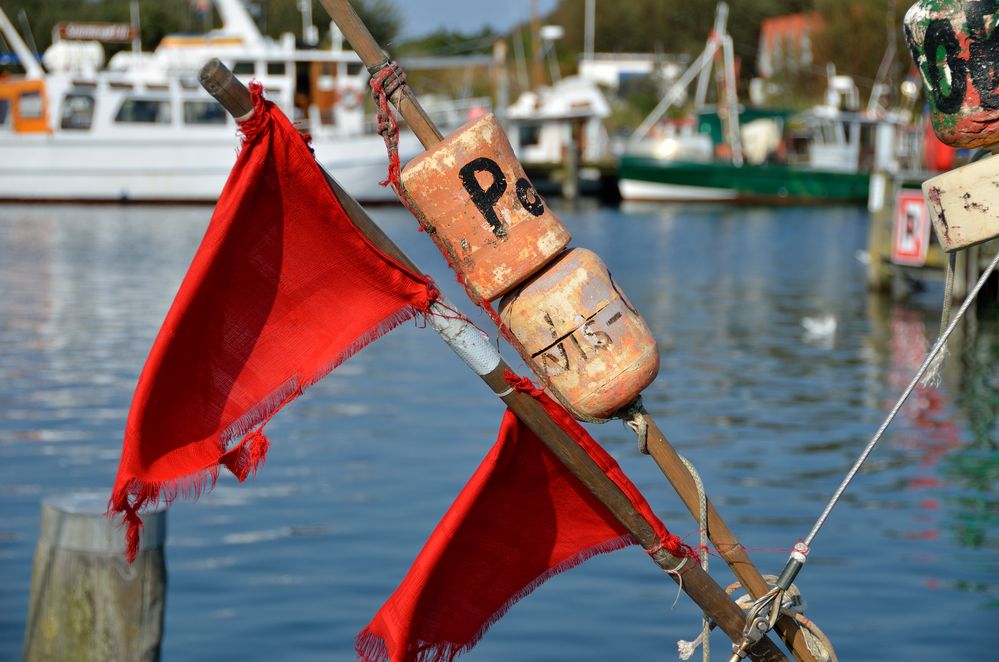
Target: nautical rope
x,y
385,82
794,607
679,578
901,401
687,648
633,416
932,376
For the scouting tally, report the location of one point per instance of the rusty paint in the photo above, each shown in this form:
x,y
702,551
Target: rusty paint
x,y
955,46
487,218
938,215
581,336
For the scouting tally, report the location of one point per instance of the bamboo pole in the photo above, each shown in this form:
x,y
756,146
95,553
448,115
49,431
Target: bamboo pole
x,y
374,58
708,595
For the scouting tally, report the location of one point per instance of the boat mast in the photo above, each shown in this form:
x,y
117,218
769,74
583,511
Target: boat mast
x,y
731,100
701,67
236,20
32,67
590,29
136,26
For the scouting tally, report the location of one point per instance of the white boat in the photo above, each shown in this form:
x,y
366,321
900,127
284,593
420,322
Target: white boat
x,y
142,129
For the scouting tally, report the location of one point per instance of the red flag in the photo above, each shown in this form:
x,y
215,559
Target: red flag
x,y
520,519
282,289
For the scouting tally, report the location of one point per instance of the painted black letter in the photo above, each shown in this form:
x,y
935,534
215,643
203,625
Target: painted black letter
x,y
983,52
940,35
534,204
485,199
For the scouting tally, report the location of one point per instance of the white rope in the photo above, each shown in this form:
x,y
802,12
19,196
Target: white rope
x,y
679,579
838,494
793,606
932,376
686,648
633,417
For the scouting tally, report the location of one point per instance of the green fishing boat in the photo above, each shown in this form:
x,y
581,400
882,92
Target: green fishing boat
x,y
732,152
646,177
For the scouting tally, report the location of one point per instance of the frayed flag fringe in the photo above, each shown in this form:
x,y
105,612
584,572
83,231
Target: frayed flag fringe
x,y
242,460
372,648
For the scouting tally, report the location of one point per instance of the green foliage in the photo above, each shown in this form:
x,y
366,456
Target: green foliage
x,y
163,17
669,26
855,36
448,42
159,17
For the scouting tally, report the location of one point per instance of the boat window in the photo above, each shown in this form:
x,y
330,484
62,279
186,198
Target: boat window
x,y
353,68
144,111
276,69
29,105
203,112
77,111
243,67
4,112
530,134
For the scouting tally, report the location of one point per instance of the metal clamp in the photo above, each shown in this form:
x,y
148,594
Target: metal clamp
x,y
759,621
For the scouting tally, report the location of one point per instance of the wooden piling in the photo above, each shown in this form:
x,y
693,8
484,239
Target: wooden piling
x,y
88,603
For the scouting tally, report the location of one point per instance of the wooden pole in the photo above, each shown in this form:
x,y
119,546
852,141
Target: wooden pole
x,y
405,100
722,537
87,602
220,82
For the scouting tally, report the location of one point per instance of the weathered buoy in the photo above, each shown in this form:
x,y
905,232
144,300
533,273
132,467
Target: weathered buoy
x,y
476,202
583,338
964,204
87,602
955,46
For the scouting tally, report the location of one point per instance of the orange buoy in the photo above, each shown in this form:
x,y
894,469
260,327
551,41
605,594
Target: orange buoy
x,y
582,336
474,199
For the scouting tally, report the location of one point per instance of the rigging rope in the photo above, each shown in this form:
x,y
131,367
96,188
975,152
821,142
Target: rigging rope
x,y
932,376
937,346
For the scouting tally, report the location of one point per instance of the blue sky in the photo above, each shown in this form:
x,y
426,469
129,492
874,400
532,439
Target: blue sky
x,y
423,16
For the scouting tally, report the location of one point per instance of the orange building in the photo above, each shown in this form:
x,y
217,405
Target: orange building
x,y
786,43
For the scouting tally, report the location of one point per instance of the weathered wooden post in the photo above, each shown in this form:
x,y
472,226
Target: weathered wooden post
x,y
87,602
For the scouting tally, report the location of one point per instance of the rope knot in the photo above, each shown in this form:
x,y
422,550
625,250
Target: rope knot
x,y
633,417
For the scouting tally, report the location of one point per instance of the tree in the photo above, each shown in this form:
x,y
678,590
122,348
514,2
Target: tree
x,y
855,38
162,17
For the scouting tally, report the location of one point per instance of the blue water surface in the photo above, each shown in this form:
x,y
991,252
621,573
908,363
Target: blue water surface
x,y
292,564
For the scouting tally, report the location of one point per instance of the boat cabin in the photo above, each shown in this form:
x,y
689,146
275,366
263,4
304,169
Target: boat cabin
x,y
23,106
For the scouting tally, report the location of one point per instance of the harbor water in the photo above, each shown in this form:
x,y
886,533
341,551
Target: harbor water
x,y
292,564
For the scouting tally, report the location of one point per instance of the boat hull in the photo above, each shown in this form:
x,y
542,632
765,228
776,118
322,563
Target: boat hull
x,y
173,168
646,178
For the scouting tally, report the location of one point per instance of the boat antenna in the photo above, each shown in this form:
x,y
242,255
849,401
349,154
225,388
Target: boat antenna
x,y
136,26
590,29
32,67
22,18
882,81
236,20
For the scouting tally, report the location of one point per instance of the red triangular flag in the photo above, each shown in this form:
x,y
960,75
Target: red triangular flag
x,y
519,520
282,289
